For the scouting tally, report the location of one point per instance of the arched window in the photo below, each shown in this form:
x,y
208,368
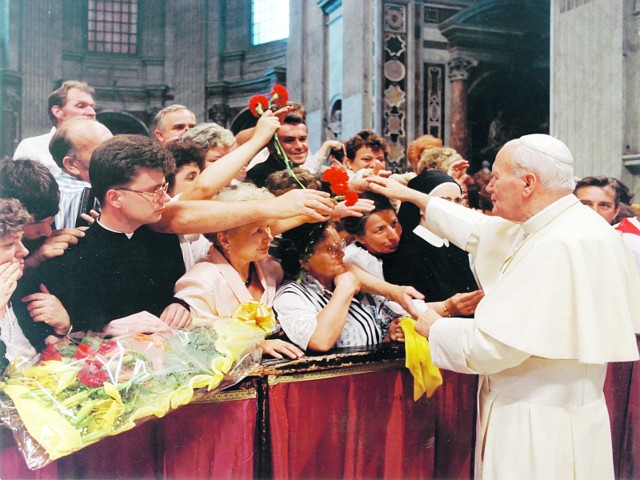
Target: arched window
x,y
269,20
112,26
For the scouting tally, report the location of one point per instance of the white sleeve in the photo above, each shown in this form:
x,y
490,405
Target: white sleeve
x,y
456,344
297,316
456,223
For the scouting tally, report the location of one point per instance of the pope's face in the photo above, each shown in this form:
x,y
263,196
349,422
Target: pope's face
x,y
507,189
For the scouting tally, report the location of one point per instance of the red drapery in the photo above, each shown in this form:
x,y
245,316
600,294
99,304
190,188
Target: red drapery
x,y
205,440
354,427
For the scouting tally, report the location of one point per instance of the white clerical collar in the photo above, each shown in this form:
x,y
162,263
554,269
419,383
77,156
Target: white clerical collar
x,y
548,213
129,235
430,237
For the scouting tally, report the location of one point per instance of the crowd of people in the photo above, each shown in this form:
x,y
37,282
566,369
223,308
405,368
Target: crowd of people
x,y
195,221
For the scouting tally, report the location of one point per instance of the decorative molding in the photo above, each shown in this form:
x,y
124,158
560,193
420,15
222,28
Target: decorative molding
x,y
219,113
632,162
459,67
434,99
394,78
329,6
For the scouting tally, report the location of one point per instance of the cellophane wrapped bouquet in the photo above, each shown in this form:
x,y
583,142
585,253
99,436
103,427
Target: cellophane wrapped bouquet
x,y
83,390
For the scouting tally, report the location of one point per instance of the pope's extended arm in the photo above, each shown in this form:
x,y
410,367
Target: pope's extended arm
x,y
457,344
221,172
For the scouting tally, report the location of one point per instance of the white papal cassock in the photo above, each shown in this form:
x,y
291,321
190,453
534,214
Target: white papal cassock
x,y
562,298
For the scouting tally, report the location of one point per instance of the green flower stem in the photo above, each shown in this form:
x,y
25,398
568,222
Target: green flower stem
x,y
280,151
285,159
77,398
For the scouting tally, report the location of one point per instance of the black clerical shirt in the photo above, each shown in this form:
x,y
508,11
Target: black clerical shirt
x,y
105,276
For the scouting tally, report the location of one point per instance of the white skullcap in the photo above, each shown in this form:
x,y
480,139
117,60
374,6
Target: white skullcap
x,y
549,146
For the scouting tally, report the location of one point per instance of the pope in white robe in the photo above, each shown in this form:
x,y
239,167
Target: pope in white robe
x,y
562,298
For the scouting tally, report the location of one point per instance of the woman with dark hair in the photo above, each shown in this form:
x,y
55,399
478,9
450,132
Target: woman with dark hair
x,y
376,234
324,307
437,269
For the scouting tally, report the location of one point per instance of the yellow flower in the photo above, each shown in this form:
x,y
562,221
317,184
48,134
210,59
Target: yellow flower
x,y
111,390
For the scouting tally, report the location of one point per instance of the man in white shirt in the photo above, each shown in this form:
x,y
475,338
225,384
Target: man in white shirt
x,y
72,99
71,148
560,302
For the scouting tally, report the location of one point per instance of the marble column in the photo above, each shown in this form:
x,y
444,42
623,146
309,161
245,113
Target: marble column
x,y
458,74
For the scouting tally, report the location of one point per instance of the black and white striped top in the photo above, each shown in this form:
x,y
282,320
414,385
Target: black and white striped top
x,y
298,305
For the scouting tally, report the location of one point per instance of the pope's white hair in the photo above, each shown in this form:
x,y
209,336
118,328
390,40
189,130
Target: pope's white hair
x,y
545,156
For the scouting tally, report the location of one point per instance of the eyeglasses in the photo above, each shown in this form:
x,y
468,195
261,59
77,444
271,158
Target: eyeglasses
x,y
157,194
335,249
457,200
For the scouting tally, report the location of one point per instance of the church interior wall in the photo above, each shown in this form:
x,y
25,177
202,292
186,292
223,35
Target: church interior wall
x,y
587,83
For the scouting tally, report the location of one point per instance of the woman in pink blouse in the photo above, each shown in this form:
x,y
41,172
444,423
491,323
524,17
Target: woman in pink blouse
x,y
237,269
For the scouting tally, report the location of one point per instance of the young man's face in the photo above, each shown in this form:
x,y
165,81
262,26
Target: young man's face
x,y
39,229
78,104
142,200
294,142
601,200
174,124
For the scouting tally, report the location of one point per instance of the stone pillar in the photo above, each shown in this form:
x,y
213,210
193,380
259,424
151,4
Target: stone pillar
x,y
458,74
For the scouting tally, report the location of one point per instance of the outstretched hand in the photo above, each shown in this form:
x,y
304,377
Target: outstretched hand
x,y
268,124
363,205
395,190
313,204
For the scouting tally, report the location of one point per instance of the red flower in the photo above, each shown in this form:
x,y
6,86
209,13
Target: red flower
x,y
279,95
339,188
50,353
107,348
83,351
258,104
350,198
92,374
335,175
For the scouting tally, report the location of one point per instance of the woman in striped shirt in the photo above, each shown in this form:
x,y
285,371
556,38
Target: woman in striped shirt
x,y
324,307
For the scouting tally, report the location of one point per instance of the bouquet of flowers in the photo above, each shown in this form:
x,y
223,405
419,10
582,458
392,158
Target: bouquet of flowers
x,y
80,392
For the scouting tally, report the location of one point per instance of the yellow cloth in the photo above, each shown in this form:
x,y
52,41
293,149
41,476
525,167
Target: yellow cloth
x,y
426,376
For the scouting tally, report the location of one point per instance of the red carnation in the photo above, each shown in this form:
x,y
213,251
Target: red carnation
x,y
107,347
83,351
350,198
279,95
50,353
258,104
335,175
92,374
339,188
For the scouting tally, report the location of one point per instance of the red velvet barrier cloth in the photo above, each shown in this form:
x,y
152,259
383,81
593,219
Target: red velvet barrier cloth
x,y
630,445
355,427
622,393
455,425
209,441
206,440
